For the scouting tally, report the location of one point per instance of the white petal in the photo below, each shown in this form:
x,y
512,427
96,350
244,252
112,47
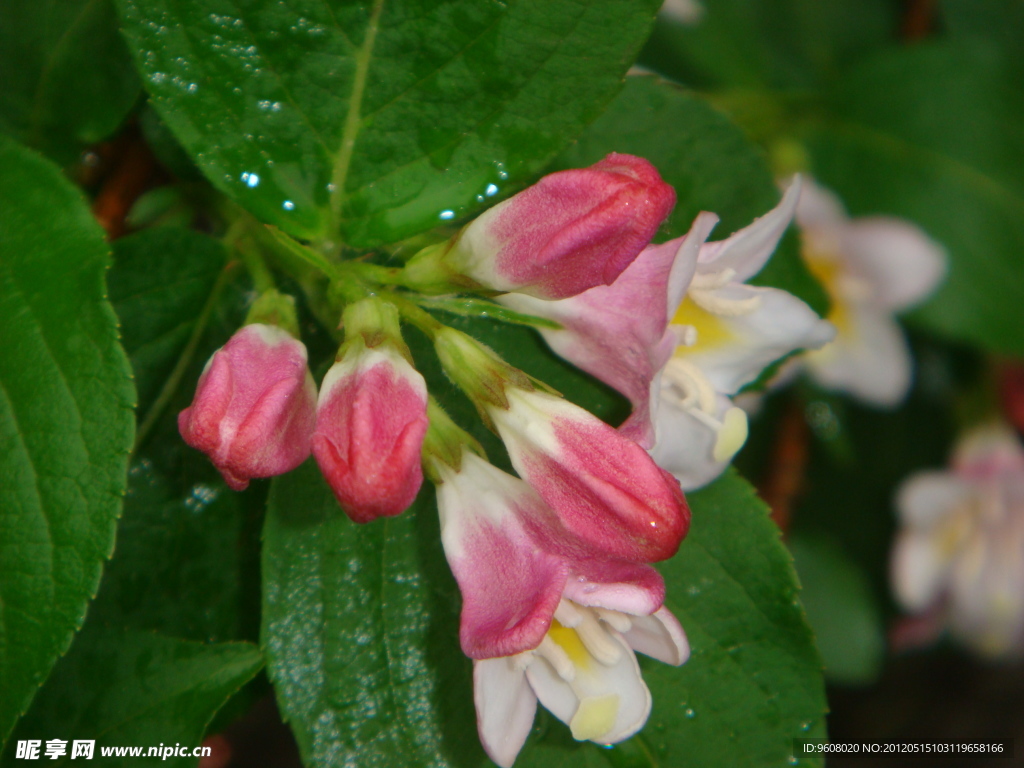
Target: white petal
x,y
685,263
505,706
609,702
869,359
926,498
819,208
749,343
659,636
918,572
747,250
900,261
685,445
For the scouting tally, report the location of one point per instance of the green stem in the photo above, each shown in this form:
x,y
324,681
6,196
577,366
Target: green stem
x,y
417,316
262,279
379,274
171,385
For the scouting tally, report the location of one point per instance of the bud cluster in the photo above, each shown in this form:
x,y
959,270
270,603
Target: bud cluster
x,y
554,564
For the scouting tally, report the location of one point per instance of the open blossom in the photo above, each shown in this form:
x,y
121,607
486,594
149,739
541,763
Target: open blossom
x,y
605,488
545,616
570,231
370,423
872,268
960,549
254,407
680,332
584,672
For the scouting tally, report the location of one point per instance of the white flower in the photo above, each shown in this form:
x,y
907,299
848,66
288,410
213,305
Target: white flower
x,y
729,332
961,544
584,672
679,333
872,267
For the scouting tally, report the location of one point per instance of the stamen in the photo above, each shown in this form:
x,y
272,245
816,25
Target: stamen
x,y
617,620
567,614
695,386
711,302
555,655
708,281
601,645
686,335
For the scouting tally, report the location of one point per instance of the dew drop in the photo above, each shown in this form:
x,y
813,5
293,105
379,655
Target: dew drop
x,y
447,215
288,205
492,190
689,713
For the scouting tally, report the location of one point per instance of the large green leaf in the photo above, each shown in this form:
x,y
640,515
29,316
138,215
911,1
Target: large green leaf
x,y
708,160
360,633
67,77
161,280
65,420
753,682
932,133
135,689
385,118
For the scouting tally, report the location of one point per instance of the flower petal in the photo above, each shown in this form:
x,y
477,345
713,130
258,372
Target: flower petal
x,y
510,584
609,702
603,486
616,585
918,571
659,636
617,333
902,264
926,498
747,250
505,708
868,359
686,445
744,345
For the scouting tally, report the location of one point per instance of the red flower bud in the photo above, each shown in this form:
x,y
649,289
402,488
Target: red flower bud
x,y
255,406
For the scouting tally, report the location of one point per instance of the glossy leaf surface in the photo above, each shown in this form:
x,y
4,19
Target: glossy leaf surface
x,y
378,120
66,422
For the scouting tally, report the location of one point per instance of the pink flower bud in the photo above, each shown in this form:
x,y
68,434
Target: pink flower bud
x,y
255,406
604,487
370,423
570,231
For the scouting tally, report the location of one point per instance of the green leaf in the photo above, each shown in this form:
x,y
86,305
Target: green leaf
x,y
753,44
159,284
68,79
931,133
842,610
708,160
186,557
360,632
136,689
373,120
753,682
65,420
